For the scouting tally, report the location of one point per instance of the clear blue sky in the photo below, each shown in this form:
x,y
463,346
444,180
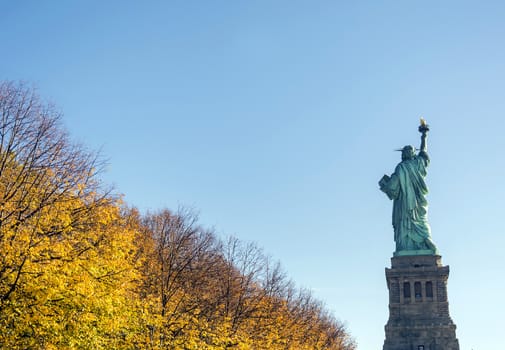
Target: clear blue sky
x,y
276,119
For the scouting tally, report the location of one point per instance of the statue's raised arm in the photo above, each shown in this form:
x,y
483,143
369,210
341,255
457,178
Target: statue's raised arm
x,y
423,129
407,188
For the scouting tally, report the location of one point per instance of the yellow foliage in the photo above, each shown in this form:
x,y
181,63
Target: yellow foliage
x,y
67,270
80,271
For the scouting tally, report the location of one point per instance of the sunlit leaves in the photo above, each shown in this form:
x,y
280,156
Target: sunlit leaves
x,y
225,295
80,270
67,266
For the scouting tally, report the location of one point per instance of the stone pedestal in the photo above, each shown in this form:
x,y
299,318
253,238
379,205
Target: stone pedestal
x,y
418,305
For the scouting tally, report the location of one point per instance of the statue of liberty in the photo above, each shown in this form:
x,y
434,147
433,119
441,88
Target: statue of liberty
x,y
407,188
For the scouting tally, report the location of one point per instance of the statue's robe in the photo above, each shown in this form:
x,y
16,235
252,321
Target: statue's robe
x,y
407,188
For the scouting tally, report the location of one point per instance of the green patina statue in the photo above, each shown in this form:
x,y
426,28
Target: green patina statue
x,y
407,188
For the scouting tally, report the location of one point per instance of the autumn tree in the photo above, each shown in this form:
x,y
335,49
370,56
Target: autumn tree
x,y
179,264
65,249
210,294
81,270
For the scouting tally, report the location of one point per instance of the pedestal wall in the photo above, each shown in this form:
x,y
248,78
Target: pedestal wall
x,y
418,305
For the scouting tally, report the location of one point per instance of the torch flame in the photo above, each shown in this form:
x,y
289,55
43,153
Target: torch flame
x,y
423,122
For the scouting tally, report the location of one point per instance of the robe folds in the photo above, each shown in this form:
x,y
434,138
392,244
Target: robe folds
x,y
407,188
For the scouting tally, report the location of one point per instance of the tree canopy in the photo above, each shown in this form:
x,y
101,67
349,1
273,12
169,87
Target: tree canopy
x,y
80,269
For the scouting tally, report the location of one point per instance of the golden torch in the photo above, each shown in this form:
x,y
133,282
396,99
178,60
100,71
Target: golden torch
x,y
423,127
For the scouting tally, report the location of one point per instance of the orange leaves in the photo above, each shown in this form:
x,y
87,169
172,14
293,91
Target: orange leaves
x,y
224,295
80,271
67,269
76,284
